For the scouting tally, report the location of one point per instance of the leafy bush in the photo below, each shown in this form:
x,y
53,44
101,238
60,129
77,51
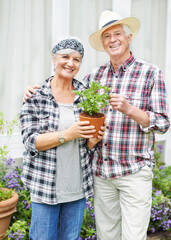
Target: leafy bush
x,y
160,219
88,230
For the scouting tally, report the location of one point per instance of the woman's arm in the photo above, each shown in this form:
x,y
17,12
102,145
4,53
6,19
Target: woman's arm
x,y
47,141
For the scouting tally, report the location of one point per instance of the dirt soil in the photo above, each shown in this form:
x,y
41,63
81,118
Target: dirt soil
x,y
160,236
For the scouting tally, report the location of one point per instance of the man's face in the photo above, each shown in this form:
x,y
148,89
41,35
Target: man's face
x,y
115,42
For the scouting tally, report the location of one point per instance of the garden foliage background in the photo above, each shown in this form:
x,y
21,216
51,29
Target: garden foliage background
x,y
10,177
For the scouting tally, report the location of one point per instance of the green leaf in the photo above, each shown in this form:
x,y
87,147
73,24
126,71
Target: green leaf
x,y
94,98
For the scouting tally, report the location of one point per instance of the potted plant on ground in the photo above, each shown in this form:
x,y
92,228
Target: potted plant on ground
x,y
8,202
93,100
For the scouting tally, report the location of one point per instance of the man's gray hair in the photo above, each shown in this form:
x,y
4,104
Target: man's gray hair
x,y
126,29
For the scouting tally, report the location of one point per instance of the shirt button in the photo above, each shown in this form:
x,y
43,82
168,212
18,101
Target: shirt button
x,y
116,76
105,144
105,159
110,110
107,127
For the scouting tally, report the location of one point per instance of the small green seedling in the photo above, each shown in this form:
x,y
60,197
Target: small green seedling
x,y
94,98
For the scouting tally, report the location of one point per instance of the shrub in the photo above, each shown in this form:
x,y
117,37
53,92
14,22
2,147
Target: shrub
x,y
160,219
88,229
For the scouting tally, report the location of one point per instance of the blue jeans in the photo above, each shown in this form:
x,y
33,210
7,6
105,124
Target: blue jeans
x,y
57,222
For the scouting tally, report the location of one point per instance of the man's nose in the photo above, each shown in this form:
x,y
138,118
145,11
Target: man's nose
x,y
112,38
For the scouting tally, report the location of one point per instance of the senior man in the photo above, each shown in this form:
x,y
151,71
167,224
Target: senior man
x,y
123,164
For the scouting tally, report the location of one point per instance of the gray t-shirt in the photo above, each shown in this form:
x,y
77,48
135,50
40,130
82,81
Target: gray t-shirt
x,y
69,177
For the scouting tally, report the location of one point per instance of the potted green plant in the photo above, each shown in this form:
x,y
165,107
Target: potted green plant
x,y
93,100
8,202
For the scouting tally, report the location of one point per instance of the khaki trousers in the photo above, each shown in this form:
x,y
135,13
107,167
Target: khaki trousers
x,y
122,206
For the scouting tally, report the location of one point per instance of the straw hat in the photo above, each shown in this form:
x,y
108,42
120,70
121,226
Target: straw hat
x,y
107,20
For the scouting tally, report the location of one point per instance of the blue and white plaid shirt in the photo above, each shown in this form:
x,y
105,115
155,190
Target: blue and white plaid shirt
x,y
40,114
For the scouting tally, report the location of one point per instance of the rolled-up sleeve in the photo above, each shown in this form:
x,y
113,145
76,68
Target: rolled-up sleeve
x,y
30,127
158,110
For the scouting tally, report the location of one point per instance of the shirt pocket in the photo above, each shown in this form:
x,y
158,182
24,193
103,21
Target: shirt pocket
x,y
139,102
43,122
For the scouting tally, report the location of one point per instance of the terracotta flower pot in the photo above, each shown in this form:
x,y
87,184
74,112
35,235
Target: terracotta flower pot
x,y
95,120
7,208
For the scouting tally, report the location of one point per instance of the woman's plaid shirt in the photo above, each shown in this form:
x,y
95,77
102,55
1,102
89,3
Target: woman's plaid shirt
x,y
127,146
40,114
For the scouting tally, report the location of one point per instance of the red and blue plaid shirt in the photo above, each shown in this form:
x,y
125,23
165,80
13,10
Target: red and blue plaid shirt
x,y
128,146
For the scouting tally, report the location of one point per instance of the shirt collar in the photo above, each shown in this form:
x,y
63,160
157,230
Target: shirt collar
x,y
46,88
124,65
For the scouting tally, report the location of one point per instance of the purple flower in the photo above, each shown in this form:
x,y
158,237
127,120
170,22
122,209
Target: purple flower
x,y
158,192
160,147
9,162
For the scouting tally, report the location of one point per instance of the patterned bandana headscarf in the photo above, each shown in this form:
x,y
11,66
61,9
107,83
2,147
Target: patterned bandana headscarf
x,y
69,44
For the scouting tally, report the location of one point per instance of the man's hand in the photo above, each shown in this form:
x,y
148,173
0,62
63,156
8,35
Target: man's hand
x,y
29,91
119,102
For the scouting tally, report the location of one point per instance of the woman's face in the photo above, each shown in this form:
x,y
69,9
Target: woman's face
x,y
67,65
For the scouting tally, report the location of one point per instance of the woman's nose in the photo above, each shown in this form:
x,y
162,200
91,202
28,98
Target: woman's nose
x,y
70,62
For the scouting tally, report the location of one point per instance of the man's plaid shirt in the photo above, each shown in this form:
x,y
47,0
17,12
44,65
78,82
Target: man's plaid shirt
x,y
40,114
127,146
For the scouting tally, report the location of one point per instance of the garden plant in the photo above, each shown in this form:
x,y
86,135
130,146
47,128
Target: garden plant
x,y
93,98
19,226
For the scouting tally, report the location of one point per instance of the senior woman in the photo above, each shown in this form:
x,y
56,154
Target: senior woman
x,y
57,168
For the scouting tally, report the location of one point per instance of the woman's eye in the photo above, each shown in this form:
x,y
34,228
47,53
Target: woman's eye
x,y
77,60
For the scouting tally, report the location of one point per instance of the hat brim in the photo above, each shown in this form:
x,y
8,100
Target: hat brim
x,y
95,38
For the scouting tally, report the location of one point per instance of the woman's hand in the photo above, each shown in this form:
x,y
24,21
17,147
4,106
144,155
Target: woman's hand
x,y
79,130
51,139
93,141
29,91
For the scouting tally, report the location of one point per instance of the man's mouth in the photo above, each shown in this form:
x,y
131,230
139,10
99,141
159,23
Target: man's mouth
x,y
114,46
